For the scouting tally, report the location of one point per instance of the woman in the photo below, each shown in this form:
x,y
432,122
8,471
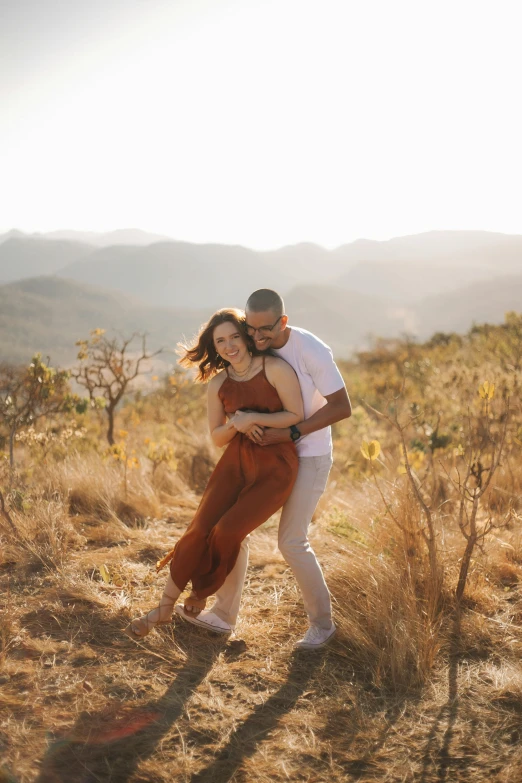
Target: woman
x,y
250,483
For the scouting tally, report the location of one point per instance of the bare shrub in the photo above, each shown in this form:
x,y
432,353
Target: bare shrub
x,y
107,369
417,522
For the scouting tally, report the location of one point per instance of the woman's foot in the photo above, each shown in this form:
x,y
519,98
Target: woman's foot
x,y
207,620
160,615
194,605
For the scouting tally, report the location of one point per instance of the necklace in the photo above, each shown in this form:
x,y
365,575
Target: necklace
x,y
245,372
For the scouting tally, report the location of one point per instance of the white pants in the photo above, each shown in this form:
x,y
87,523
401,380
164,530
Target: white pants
x,y
294,546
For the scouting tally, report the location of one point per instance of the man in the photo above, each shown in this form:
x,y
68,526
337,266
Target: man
x,y
325,402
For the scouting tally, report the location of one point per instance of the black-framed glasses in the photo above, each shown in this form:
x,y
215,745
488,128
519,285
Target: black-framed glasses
x,y
263,329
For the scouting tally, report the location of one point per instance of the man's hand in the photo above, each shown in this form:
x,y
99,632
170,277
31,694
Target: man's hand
x,y
273,435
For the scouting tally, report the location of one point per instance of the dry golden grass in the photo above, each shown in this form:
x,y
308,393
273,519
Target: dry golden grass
x,y
415,688
394,698
95,486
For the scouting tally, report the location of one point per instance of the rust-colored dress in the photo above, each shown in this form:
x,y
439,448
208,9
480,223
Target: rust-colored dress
x,y
248,485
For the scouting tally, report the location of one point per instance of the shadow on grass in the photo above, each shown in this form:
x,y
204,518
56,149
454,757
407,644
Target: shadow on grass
x,y
436,765
353,717
245,740
109,745
365,764
80,619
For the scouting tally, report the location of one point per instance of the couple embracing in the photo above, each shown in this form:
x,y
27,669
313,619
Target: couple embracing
x,y
273,392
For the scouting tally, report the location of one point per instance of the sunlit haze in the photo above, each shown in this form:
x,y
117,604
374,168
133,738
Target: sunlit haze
x,y
260,123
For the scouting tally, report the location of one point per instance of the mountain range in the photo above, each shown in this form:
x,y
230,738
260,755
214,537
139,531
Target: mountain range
x,y
55,287
48,315
125,236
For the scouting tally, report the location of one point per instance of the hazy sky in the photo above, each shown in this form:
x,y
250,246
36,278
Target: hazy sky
x,y
260,123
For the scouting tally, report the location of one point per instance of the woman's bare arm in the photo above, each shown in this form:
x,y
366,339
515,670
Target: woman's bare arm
x,y
221,430
282,376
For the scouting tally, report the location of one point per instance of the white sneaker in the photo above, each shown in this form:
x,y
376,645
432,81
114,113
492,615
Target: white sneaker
x,y
207,620
316,637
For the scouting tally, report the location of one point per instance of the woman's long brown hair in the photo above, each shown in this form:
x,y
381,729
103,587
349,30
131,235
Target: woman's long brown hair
x,y
203,352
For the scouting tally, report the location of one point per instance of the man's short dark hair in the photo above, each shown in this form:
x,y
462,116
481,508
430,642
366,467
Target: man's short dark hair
x,y
265,299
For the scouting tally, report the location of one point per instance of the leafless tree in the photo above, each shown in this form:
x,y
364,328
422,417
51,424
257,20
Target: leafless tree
x,y
107,368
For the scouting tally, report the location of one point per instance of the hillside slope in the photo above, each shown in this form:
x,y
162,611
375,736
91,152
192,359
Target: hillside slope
x,y
406,282
22,257
171,273
345,320
48,314
179,274
456,311
124,236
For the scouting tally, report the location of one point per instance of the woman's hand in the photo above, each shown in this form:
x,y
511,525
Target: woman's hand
x,y
243,420
255,433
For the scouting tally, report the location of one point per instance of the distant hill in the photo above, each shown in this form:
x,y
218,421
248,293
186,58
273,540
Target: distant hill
x,y
180,274
13,234
406,282
22,257
61,288
124,236
48,314
475,248
306,262
345,320
409,268
403,269
456,311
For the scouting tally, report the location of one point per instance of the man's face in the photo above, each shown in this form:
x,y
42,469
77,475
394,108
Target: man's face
x,y
265,328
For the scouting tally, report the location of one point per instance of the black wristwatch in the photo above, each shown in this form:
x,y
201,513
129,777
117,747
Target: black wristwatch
x,y
294,432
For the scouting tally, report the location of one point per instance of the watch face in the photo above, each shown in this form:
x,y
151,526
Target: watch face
x,y
295,434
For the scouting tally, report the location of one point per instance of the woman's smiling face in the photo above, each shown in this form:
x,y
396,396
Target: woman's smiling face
x,y
230,343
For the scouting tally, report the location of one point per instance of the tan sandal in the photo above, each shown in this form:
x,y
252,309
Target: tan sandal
x,y
132,632
192,602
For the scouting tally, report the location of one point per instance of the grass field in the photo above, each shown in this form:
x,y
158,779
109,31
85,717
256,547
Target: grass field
x,y
416,686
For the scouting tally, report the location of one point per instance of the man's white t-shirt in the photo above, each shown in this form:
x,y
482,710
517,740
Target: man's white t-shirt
x,y
318,376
